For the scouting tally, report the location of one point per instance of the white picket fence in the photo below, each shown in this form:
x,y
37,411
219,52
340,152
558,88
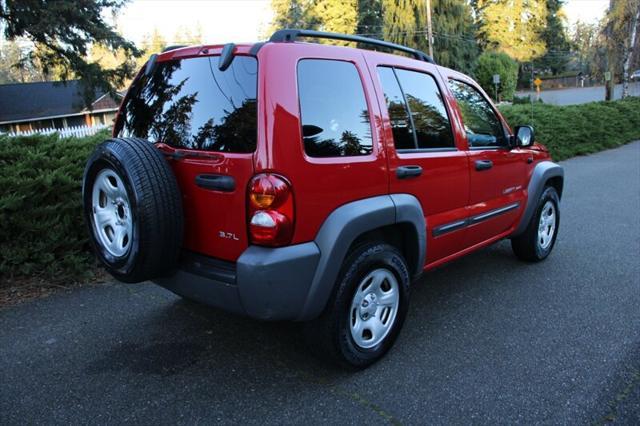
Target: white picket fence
x,y
76,131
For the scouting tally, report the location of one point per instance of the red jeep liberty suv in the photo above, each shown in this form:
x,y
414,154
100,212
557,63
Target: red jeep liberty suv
x,y
309,182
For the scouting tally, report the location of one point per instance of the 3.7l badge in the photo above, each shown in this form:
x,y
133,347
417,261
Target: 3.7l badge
x,y
228,235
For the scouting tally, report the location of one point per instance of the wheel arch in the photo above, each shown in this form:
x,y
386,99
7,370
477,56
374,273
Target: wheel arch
x,y
397,219
545,173
557,182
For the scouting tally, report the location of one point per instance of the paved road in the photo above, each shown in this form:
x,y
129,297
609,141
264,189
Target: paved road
x,y
580,95
488,340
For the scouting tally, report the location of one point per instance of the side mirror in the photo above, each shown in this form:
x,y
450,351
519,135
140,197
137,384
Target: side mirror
x,y
524,136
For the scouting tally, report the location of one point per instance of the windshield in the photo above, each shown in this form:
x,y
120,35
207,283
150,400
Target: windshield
x,y
191,104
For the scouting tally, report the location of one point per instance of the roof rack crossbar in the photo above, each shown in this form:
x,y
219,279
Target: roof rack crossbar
x,y
288,35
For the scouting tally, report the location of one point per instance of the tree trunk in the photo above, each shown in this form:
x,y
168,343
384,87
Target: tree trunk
x,y
628,53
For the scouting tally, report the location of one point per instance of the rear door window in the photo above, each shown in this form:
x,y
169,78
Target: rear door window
x,y
191,104
418,115
333,109
401,126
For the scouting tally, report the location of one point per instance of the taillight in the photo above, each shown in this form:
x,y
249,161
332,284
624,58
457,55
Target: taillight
x,y
270,210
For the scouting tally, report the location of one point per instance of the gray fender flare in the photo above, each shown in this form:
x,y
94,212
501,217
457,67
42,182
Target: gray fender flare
x,y
340,230
542,172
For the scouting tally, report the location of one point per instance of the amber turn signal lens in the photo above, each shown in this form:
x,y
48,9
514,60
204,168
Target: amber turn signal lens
x,y
267,191
262,201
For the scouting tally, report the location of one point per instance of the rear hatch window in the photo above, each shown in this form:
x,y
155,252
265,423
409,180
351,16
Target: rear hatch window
x,y
191,104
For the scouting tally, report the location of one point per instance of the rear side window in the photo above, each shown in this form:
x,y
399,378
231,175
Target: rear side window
x,y
481,123
398,113
333,109
416,109
191,104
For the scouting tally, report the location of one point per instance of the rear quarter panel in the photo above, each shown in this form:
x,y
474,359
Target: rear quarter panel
x,y
320,185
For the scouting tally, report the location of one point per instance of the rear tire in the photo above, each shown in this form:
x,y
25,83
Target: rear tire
x,y
133,209
367,309
537,241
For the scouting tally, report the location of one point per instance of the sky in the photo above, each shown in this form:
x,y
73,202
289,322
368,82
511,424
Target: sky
x,y
224,21
585,10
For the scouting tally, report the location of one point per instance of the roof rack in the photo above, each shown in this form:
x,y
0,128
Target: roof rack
x,y
288,35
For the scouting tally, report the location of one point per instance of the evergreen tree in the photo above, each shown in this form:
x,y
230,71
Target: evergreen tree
x,y
370,18
589,49
405,22
556,39
15,66
621,34
512,26
293,14
454,34
400,23
63,32
151,43
187,36
337,16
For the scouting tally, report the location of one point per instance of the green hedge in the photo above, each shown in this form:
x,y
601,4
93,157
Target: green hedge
x,y
42,232
579,129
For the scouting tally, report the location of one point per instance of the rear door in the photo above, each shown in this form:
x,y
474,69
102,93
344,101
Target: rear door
x,y
205,120
424,158
497,172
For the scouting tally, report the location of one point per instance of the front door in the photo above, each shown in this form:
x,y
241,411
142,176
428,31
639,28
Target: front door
x,y
496,172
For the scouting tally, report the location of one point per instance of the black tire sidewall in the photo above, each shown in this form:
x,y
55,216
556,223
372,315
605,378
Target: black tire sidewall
x,y
549,194
107,157
364,260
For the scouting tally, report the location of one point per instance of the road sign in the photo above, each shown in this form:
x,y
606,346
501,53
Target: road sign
x,y
496,78
607,76
537,82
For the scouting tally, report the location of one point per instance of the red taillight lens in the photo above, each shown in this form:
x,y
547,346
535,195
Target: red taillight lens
x,y
270,210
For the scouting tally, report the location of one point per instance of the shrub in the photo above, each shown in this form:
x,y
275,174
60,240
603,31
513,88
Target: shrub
x,y
490,63
42,231
519,100
579,129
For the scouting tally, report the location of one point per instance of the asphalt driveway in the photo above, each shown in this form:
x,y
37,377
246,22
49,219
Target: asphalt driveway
x,y
488,340
580,95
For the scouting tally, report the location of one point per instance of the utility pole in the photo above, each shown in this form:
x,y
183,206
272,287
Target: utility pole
x,y
3,6
626,57
609,74
429,29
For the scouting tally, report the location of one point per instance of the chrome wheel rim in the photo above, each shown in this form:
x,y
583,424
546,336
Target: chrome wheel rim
x,y
547,225
112,219
374,308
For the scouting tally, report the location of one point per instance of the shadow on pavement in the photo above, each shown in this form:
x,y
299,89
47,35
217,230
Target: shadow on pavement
x,y
183,337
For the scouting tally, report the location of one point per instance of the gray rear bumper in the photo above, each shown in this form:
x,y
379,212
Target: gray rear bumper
x,y
265,283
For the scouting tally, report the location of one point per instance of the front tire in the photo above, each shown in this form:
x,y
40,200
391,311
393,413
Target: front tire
x,y
537,241
365,314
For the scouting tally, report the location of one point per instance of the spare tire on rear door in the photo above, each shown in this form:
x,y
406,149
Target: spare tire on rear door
x,y
132,206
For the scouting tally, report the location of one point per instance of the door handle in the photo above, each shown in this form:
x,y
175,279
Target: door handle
x,y
483,165
222,183
404,172
529,160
